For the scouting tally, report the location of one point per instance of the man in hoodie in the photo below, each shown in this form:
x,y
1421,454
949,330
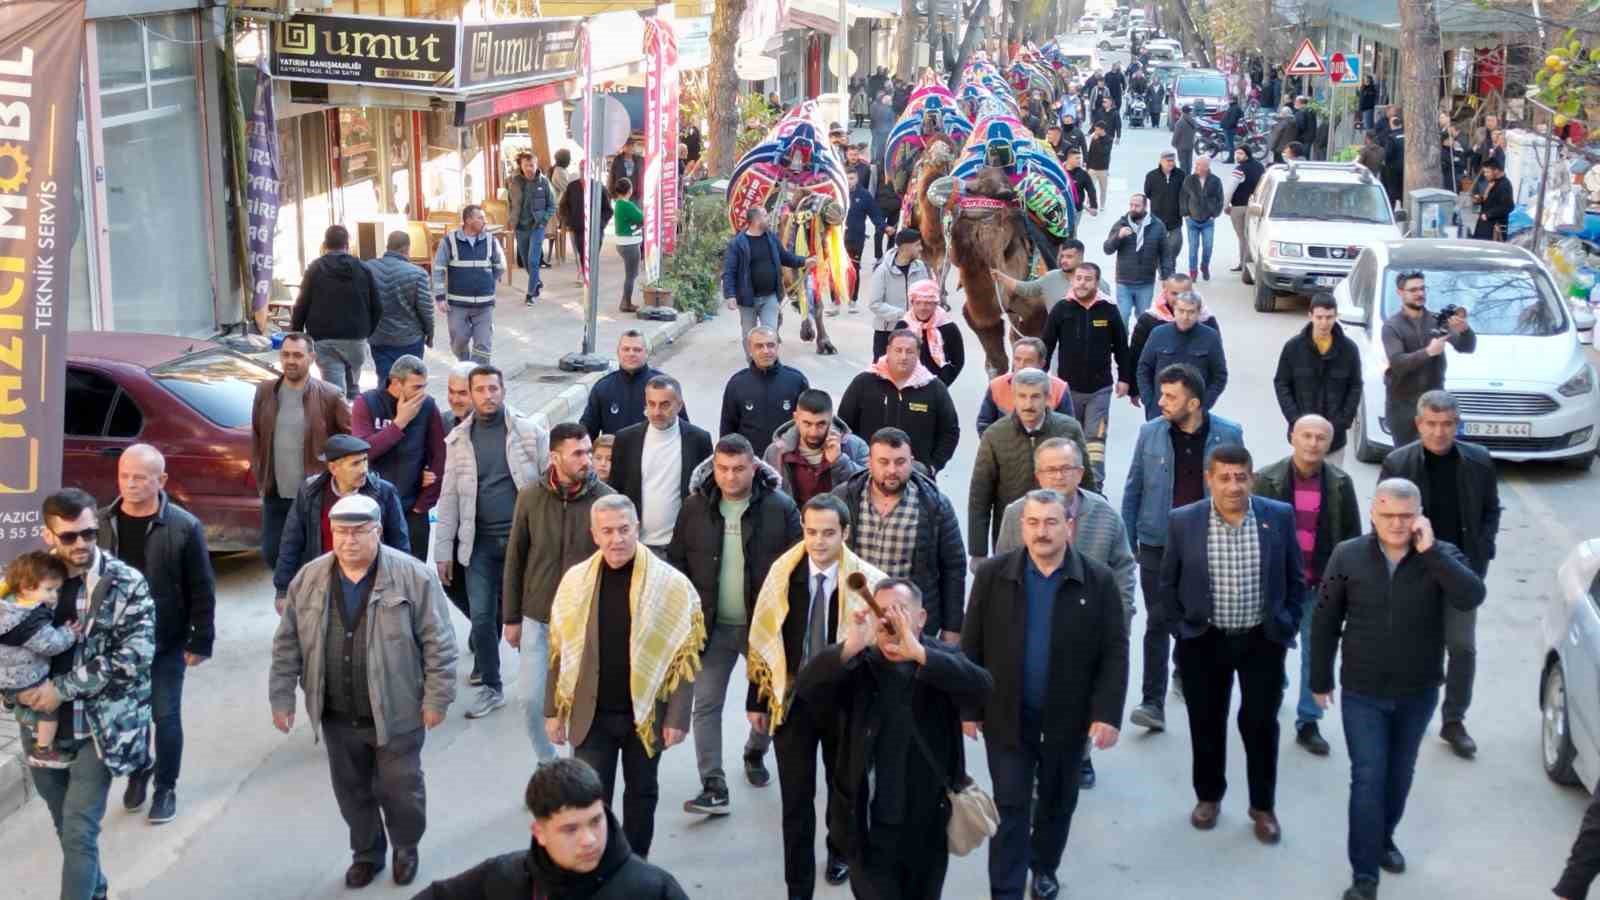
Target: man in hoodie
x,y
889,292
862,208
1200,204
815,451
1181,341
466,268
339,308
734,525
943,351
1164,186
1136,240
898,391
406,325
1246,175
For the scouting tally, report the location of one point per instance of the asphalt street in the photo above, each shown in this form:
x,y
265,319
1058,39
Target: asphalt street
x,y
257,818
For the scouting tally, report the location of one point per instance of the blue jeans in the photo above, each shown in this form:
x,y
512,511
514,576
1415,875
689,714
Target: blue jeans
x,y
1200,231
1366,119
166,707
274,512
1306,710
530,247
1382,735
383,357
535,663
484,572
1134,298
76,797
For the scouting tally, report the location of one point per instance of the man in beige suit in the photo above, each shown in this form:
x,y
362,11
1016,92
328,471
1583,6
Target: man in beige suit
x,y
626,632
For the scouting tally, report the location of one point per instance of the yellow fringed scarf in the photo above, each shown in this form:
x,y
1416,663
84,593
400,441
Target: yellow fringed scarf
x,y
664,645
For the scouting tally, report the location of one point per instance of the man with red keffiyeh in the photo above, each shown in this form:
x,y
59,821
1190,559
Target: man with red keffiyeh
x,y
942,349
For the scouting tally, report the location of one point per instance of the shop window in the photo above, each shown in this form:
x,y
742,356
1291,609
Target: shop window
x,y
441,163
397,162
358,165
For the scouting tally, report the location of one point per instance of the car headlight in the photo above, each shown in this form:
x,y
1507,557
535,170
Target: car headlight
x,y
1283,248
1579,384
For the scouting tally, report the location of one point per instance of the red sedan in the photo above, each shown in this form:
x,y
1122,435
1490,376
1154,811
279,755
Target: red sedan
x,y
190,399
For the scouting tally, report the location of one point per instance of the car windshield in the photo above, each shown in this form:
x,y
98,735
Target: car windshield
x,y
1508,301
1331,202
1202,86
217,384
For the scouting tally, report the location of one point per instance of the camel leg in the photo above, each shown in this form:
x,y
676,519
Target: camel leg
x,y
825,346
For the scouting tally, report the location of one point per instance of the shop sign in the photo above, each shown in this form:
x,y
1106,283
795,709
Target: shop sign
x,y
41,60
418,53
661,145
261,189
500,53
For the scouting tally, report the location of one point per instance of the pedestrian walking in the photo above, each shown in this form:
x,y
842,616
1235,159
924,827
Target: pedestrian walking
x,y
628,222
899,711
760,398
406,326
862,209
291,419
1394,161
1325,515
1367,99
1183,340
626,632
1461,498
1160,313
531,201
1183,140
377,673
653,461
899,392
617,399
574,214
1414,344
549,535
1097,158
1086,334
338,308
405,438
97,690
1233,584
943,352
1281,135
1060,671
1583,864
889,291
752,273
167,545
1247,172
1387,599
907,528
578,849
1305,122
814,451
466,268
459,405
489,458
1200,202
1108,116
734,525
998,399
1167,471
883,119
802,608
1136,239
1164,186
1319,372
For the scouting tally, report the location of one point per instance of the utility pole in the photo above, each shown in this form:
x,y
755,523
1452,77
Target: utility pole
x,y
1421,59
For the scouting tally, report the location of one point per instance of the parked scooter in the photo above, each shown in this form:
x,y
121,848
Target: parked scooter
x,y
1136,113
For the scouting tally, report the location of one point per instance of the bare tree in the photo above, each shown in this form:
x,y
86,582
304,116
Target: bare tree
x,y
970,42
1420,61
724,91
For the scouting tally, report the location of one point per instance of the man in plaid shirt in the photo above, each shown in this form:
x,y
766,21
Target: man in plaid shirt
x,y
1233,586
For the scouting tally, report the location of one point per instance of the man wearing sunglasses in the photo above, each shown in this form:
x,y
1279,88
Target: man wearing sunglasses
x,y
99,690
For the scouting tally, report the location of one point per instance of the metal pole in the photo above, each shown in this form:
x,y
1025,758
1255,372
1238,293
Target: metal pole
x,y
842,66
1544,179
590,323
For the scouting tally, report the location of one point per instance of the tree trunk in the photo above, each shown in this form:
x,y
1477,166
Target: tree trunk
x,y
970,42
723,90
1420,61
1191,34
905,64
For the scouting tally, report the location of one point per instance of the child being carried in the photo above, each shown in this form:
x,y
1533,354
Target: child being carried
x,y
28,638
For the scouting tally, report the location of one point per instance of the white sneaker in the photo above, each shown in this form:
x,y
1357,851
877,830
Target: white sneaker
x,y
488,701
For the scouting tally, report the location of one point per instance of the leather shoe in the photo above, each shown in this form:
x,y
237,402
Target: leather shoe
x,y
837,871
360,874
1363,889
1267,829
405,866
1205,815
1086,773
1310,737
1392,861
1045,886
1455,734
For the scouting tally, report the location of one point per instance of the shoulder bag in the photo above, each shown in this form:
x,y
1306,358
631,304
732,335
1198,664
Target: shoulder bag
x,y
973,816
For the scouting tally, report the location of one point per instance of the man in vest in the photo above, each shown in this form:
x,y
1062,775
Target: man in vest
x,y
403,426
465,269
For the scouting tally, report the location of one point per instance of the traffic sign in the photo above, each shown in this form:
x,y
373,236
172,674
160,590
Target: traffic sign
x,y
1338,73
1305,61
1352,69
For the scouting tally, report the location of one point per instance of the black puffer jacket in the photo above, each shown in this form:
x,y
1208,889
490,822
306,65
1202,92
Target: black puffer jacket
x,y
939,563
338,300
1136,264
769,527
1326,384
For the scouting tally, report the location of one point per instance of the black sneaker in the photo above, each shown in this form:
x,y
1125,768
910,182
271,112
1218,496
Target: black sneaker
x,y
138,789
1392,861
163,806
530,301
837,871
1310,737
1149,716
1363,889
711,801
1455,734
755,770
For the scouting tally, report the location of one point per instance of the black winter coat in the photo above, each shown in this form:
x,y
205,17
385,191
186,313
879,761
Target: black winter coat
x,y
1136,266
617,401
627,456
769,527
1164,192
924,412
177,566
338,300
757,401
1201,201
1097,155
1478,495
1326,384
939,564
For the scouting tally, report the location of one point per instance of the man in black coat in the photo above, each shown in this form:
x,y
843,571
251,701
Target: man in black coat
x,y
899,705
1495,203
730,487
1060,672
1136,240
339,308
647,455
761,396
1319,371
1163,185
1461,497
899,392
1305,121
617,399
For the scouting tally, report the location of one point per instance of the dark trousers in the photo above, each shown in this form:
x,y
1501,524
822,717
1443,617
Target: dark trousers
x,y
384,355
611,736
378,788
1170,246
418,529
854,249
1030,842
1382,735
797,743
76,798
1461,641
274,512
456,590
905,862
166,708
1209,663
1401,414
484,572
1157,633
881,240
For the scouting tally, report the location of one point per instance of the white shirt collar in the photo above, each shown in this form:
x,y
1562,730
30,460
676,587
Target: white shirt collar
x,y
830,575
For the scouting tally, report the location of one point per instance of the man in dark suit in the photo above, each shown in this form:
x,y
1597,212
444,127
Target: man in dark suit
x,y
1461,497
1233,585
1060,672
651,462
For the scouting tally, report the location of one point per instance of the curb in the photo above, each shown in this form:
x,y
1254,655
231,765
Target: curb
x,y
16,787
568,405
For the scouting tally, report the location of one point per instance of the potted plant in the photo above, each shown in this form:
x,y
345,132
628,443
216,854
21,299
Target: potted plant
x,y
691,277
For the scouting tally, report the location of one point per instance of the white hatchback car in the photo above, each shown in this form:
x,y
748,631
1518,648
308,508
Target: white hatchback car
x,y
1528,392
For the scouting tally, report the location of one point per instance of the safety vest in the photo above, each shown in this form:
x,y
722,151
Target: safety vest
x,y
469,279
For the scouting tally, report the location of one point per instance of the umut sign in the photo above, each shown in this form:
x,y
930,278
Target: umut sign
x,y
350,50
507,52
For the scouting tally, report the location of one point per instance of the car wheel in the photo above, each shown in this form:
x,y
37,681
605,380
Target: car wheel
x,y
1366,451
1266,297
1555,735
1105,45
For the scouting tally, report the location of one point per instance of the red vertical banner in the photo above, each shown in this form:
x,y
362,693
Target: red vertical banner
x,y
660,144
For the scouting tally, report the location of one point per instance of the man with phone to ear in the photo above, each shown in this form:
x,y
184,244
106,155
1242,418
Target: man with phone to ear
x,y
1389,596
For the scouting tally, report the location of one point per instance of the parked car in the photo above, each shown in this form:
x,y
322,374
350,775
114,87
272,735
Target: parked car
x,y
1307,222
191,400
1569,679
1528,392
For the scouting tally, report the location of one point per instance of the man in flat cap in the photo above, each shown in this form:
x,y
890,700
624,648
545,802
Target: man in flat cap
x,y
308,531
366,635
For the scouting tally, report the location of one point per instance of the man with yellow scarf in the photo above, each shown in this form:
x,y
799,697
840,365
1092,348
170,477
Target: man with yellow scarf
x,y
626,632
798,613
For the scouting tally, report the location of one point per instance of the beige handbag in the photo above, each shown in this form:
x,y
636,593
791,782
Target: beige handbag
x,y
973,816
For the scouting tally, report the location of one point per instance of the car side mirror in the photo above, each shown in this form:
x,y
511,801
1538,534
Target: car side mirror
x,y
1401,217
1351,314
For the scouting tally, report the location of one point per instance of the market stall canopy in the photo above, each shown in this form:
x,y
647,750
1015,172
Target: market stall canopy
x,y
823,15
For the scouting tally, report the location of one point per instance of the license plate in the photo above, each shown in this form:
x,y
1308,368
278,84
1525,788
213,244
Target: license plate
x,y
1498,429
1327,281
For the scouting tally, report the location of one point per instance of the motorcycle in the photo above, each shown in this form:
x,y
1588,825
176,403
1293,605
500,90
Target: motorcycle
x,y
1136,112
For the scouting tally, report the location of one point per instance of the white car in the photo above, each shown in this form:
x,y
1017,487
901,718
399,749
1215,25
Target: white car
x,y
1526,392
1569,703
1163,49
1306,224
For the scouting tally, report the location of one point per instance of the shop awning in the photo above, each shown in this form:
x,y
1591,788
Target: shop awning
x,y
823,15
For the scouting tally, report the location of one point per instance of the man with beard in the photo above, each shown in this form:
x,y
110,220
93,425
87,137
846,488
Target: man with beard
x,y
1163,185
1090,334
1416,354
815,451
1136,239
1319,371
900,392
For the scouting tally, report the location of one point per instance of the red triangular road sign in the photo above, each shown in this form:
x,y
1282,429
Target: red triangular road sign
x,y
1305,61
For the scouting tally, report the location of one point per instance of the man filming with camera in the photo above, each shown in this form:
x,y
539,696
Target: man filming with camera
x,y
1414,340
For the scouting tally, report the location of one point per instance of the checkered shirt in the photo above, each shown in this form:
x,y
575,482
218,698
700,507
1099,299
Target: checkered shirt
x,y
1234,555
889,542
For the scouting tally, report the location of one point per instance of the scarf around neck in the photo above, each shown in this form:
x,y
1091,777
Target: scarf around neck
x,y
932,337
